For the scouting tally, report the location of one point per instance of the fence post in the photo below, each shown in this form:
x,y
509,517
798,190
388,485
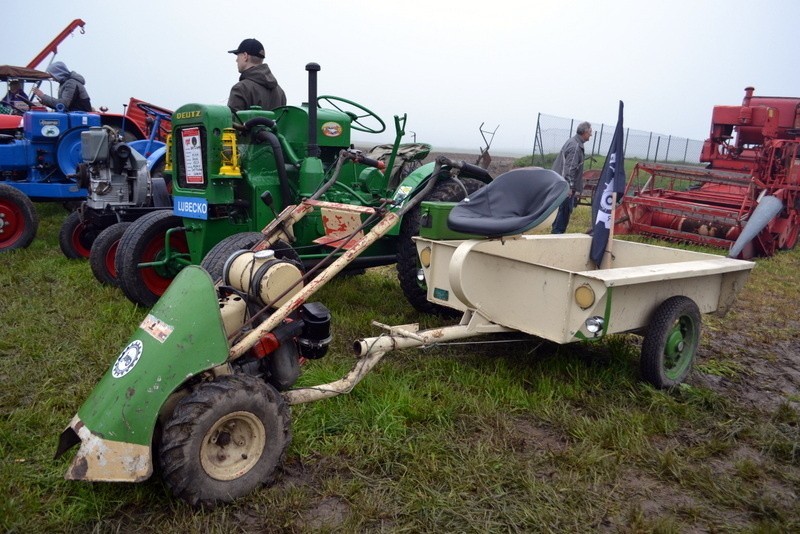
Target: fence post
x,y
658,143
686,150
649,142
666,154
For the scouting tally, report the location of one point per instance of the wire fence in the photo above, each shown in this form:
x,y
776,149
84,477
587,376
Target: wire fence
x,y
552,132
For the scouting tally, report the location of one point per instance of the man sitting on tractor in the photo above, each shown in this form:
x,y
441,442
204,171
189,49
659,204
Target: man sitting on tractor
x,y
257,85
16,99
71,90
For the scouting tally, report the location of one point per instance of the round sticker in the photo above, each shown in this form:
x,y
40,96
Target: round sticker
x,y
331,129
50,131
127,359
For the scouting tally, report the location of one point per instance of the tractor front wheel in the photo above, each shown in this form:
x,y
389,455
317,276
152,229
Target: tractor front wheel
x,y
409,269
224,440
18,219
145,242
104,251
670,342
76,238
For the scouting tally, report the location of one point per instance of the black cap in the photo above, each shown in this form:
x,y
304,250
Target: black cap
x,y
251,46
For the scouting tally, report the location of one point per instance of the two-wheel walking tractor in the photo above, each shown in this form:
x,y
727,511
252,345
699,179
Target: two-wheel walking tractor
x,y
205,383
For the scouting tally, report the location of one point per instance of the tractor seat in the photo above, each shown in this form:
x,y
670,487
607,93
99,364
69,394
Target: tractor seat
x,y
511,204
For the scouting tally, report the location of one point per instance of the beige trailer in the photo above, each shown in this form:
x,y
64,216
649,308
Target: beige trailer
x,y
546,285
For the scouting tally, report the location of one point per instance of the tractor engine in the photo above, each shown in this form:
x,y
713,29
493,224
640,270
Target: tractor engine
x,y
255,284
114,173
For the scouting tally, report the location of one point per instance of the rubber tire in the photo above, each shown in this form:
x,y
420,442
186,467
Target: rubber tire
x,y
195,415
20,215
670,342
102,258
142,242
75,238
214,261
407,258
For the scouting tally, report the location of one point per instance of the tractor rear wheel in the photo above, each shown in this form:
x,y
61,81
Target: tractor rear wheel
x,y
145,242
670,342
409,269
76,237
104,251
224,440
18,219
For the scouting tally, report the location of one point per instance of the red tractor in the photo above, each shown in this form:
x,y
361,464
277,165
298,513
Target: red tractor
x,y
747,198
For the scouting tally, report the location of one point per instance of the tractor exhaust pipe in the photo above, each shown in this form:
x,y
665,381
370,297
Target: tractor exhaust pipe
x,y
313,148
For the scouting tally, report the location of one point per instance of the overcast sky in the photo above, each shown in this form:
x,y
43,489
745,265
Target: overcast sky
x,y
449,64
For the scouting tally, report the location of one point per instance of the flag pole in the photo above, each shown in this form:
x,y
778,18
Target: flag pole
x,y
607,253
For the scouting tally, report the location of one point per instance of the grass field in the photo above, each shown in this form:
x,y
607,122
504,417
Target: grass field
x,y
513,437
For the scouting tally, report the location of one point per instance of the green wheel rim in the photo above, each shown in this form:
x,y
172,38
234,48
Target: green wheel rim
x,y
680,347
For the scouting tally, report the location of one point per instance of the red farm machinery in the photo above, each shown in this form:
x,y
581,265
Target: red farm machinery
x,y
746,199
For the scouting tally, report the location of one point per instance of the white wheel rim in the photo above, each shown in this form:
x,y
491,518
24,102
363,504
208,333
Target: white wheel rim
x,y
233,445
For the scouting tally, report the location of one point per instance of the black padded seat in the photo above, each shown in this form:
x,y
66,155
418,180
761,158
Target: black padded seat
x,y
511,204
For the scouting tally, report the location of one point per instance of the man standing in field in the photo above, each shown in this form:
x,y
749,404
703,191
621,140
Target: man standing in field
x,y
257,85
569,164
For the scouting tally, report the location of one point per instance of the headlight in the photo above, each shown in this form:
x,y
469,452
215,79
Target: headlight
x,y
594,324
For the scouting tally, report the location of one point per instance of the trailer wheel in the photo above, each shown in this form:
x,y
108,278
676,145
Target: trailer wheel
x,y
224,440
409,268
670,342
75,237
18,219
104,251
145,242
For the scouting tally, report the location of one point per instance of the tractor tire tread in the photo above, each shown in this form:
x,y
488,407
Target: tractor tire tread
x,y
407,258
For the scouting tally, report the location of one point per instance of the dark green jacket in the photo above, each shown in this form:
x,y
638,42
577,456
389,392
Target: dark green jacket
x,y
257,86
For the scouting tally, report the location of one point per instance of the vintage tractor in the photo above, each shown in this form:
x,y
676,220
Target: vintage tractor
x,y
221,169
747,199
124,181
40,150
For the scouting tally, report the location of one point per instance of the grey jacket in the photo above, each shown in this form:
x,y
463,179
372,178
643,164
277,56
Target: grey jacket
x,y
71,91
569,162
257,86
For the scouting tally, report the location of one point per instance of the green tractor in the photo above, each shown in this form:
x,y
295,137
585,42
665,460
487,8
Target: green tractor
x,y
224,165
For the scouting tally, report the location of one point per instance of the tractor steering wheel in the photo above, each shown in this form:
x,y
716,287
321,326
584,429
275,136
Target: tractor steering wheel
x,y
362,113
152,111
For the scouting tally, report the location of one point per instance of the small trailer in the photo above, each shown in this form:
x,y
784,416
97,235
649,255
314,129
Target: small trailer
x,y
546,285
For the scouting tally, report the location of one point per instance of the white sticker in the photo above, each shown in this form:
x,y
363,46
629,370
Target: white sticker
x,y
156,328
50,131
192,156
127,359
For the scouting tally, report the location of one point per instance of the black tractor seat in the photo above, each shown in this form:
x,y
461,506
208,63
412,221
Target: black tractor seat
x,y
511,204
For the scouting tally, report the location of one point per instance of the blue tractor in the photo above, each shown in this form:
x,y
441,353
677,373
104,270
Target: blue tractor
x,y
41,156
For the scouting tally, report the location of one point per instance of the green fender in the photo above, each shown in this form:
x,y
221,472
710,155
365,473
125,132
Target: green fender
x,y
410,185
181,337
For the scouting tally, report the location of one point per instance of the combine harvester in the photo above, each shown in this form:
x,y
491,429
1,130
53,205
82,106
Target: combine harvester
x,y
745,200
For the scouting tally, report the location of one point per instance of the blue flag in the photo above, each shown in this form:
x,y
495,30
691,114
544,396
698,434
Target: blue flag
x,y
612,180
